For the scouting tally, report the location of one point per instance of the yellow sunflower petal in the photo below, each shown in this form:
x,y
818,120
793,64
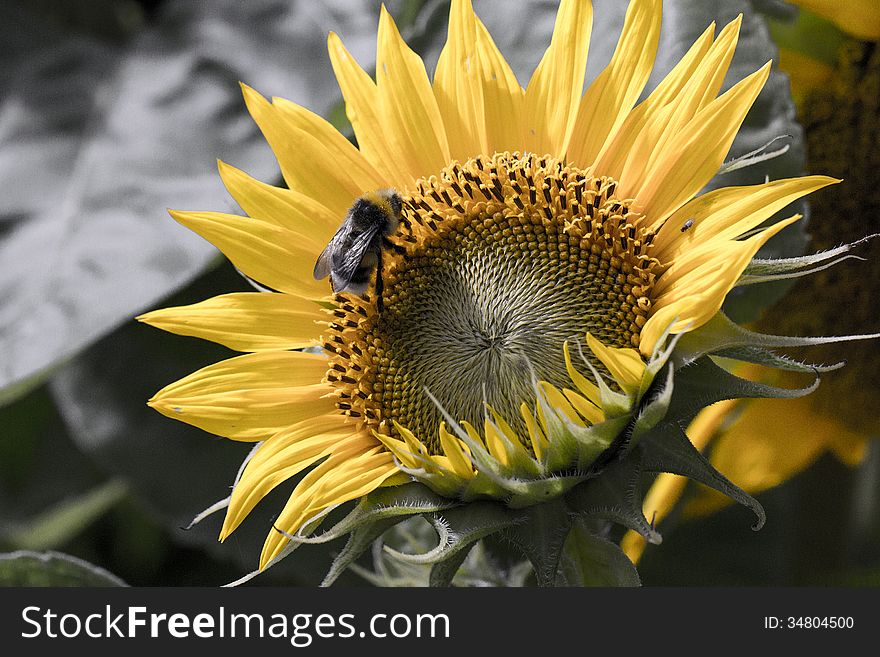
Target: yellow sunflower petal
x,y
495,444
361,96
277,257
513,445
625,365
724,255
554,91
284,207
249,397
244,321
400,449
407,102
326,177
666,122
458,85
560,404
692,157
585,408
342,477
503,96
477,93
586,387
282,456
696,287
612,159
537,438
351,167
609,99
727,213
456,452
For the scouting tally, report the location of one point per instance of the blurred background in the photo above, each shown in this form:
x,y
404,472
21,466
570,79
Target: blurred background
x,y
112,111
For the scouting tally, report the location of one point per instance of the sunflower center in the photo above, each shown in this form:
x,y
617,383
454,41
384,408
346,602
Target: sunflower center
x,y
497,262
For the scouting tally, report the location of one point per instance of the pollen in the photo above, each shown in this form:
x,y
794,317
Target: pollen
x,y
498,262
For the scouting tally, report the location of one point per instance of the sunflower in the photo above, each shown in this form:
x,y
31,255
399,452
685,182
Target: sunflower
x,y
552,247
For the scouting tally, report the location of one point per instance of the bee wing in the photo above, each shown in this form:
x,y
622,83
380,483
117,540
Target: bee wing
x,y
347,262
323,265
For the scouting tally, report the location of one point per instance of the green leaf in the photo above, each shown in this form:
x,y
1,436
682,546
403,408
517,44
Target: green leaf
x,y
25,568
100,136
589,560
65,519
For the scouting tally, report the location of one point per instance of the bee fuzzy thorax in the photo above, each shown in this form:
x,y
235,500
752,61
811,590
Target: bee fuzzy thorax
x,y
355,251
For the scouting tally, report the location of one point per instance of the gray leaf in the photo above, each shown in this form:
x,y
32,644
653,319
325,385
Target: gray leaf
x,y
26,568
96,140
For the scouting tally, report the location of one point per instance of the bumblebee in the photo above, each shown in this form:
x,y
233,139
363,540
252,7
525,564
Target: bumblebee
x,y
356,249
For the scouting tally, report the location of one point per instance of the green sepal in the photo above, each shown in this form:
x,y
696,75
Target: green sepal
x,y
359,540
443,572
653,410
373,516
461,527
703,383
541,536
616,495
767,270
768,358
721,334
668,449
408,499
590,560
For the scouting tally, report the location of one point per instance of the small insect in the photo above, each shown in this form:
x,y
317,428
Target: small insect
x,y
687,224
356,249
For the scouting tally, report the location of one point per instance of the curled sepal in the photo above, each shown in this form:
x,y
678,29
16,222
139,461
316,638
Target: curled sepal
x,y
458,529
615,496
370,518
590,560
668,449
400,502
